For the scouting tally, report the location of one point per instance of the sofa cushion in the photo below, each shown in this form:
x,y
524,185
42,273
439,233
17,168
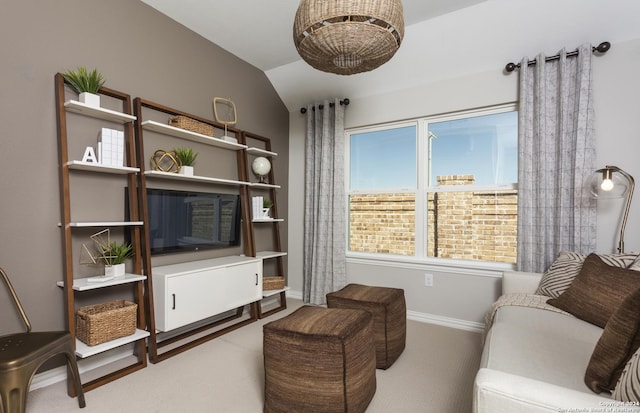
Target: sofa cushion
x,y
597,291
541,345
567,266
619,340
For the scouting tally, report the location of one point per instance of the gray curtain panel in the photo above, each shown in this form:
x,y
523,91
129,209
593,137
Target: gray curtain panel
x,y
556,144
324,208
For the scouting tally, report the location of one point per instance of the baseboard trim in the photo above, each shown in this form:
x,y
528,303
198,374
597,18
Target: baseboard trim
x,y
425,318
297,295
58,374
49,377
446,321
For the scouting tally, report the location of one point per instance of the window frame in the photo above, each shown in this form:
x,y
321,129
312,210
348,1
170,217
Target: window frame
x,y
421,191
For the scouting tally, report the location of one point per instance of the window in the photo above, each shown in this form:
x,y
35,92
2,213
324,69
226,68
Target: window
x,y
439,187
383,182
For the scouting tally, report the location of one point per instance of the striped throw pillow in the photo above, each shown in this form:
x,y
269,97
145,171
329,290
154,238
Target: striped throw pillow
x,y
628,387
567,266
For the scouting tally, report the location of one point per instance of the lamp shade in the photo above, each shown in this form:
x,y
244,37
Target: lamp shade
x,y
613,182
608,182
348,36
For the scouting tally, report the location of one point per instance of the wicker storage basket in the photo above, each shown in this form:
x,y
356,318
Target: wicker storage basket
x,y
99,323
192,125
273,283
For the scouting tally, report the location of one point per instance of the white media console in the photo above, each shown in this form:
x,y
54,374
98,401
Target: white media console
x,y
192,291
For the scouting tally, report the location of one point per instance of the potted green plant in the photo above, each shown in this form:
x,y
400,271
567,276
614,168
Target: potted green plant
x,y
186,157
113,255
266,206
86,83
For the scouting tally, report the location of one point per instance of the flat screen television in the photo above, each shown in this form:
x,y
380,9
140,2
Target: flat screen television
x,y
192,221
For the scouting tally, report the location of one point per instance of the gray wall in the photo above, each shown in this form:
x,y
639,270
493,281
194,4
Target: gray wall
x,y
462,293
140,52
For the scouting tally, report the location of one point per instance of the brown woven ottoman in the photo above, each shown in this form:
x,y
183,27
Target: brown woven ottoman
x,y
389,317
319,360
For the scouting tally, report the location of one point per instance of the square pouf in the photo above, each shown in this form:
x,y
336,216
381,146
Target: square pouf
x,y
389,311
319,360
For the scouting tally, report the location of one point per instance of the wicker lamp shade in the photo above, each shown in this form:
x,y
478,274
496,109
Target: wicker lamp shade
x,y
348,36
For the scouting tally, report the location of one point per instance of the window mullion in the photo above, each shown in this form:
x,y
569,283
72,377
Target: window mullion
x,y
420,196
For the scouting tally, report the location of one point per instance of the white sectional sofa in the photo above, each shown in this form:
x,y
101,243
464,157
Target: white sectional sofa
x,y
534,359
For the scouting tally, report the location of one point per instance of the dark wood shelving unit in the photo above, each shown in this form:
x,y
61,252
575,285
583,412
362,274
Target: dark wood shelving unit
x,y
202,333
263,148
70,284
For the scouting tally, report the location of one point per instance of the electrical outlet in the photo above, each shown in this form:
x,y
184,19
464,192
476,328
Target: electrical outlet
x,y
428,280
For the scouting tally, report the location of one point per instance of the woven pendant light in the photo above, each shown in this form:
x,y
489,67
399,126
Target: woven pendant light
x,y
348,36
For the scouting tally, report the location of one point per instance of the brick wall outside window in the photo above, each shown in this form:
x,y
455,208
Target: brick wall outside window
x,y
467,225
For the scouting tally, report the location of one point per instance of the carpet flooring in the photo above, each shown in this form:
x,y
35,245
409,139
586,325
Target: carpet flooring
x,y
434,374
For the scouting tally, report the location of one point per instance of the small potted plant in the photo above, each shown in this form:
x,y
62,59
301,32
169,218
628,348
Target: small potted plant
x,y
86,83
266,206
186,157
113,255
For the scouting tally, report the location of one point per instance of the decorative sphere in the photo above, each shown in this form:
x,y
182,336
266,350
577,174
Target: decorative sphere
x,y
261,166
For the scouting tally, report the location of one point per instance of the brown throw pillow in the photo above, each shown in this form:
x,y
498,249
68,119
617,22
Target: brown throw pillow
x,y
597,291
619,340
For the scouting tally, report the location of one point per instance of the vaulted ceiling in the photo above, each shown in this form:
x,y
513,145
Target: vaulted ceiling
x,y
260,32
444,39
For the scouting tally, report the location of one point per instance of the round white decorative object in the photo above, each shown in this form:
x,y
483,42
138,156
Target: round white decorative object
x,y
261,166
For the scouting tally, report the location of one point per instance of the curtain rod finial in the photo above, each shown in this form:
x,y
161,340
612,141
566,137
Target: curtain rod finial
x,y
510,67
603,47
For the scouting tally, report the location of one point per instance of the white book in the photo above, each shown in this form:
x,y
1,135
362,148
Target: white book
x,y
257,207
106,155
253,206
119,147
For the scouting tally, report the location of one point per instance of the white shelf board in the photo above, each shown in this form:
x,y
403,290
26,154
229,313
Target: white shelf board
x,y
179,177
100,113
258,151
262,185
192,136
270,293
83,350
83,284
269,254
97,167
269,220
89,224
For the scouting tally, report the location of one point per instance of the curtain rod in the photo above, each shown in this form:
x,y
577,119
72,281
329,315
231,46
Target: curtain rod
x,y
344,101
601,48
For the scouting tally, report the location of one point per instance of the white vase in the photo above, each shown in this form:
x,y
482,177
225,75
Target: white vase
x,y
265,213
90,99
116,270
186,170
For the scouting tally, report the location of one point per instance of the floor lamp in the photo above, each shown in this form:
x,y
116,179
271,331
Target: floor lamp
x,y
612,182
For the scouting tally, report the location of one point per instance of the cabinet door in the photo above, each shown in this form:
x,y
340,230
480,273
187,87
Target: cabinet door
x,y
243,285
202,294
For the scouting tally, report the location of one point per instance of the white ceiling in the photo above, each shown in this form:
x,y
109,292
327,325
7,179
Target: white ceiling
x,y
233,24
230,23
444,39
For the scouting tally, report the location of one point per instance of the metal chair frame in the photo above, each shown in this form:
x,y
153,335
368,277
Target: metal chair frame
x,y
22,354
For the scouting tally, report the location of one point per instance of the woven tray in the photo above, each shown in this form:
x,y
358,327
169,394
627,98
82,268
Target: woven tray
x,y
273,283
99,323
192,125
